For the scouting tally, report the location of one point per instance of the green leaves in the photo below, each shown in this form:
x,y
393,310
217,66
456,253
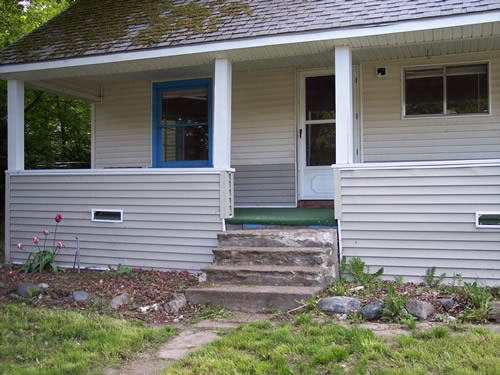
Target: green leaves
x,y
359,275
394,306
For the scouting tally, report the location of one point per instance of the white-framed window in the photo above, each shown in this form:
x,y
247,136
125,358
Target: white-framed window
x,y
105,215
446,90
487,219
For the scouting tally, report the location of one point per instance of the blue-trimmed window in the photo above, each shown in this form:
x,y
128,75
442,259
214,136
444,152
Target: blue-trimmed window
x,y
182,123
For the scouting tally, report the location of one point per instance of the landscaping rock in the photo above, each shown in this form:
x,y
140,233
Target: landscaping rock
x,y
80,296
419,309
176,304
43,285
24,289
494,313
447,303
118,301
372,311
338,305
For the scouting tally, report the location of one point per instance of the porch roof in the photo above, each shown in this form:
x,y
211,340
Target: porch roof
x,y
99,27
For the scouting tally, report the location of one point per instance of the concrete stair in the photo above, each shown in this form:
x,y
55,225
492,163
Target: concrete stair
x,y
268,270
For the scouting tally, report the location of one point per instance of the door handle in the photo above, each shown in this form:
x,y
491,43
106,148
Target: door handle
x,y
300,133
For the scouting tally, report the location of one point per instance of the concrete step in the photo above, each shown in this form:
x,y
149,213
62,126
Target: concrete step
x,y
279,238
269,275
278,256
251,298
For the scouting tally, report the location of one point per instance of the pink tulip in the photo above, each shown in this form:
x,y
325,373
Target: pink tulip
x,y
20,245
59,245
58,218
46,232
12,273
36,240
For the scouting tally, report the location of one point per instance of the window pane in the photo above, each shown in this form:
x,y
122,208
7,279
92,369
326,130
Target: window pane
x,y
185,143
184,107
424,92
320,144
467,89
320,98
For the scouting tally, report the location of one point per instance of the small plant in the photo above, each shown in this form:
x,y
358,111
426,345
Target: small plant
x,y
342,266
410,322
358,273
120,270
480,299
337,288
431,280
208,312
394,306
399,281
44,258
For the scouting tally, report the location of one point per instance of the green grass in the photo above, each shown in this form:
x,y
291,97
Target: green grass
x,y
39,341
307,346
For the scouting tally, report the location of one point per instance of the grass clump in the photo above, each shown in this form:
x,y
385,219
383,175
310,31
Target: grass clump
x,y
480,303
40,341
311,346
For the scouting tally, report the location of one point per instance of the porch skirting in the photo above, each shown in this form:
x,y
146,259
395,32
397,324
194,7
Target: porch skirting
x,y
170,219
408,217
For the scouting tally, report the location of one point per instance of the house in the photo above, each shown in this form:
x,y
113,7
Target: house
x,y
391,109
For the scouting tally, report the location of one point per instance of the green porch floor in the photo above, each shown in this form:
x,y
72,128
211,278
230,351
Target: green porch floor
x,y
284,216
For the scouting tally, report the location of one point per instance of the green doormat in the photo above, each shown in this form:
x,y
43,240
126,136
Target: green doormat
x,y
284,216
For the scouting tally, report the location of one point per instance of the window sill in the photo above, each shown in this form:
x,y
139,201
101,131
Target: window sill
x,y
422,117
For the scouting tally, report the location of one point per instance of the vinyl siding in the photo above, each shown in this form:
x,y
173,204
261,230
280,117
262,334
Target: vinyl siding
x,y
170,221
388,137
409,219
263,138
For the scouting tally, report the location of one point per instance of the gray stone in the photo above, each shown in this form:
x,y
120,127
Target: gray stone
x,y
43,285
420,309
27,290
2,284
118,301
176,304
80,296
338,305
447,303
494,313
372,311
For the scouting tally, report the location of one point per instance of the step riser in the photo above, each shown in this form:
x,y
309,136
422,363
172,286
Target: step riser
x,y
277,238
283,278
247,302
281,258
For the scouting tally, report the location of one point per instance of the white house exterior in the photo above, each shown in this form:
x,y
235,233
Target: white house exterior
x,y
393,112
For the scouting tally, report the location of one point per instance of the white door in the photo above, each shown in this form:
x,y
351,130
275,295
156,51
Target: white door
x,y
316,134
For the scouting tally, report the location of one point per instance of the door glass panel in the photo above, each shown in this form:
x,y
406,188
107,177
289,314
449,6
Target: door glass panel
x,y
185,143
184,107
320,144
320,98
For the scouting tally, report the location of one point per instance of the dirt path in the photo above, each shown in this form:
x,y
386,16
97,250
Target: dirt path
x,y
191,338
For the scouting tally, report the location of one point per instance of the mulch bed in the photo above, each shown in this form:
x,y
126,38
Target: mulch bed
x,y
144,288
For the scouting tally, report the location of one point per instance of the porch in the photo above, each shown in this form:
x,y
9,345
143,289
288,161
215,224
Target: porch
x,y
261,144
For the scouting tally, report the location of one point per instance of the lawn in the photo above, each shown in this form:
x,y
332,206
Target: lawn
x,y
41,341
309,346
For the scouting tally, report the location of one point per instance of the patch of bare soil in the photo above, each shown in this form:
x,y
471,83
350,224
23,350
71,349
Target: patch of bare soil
x,y
144,288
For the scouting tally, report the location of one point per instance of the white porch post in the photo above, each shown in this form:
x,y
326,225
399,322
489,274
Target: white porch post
x,y
15,126
222,114
344,123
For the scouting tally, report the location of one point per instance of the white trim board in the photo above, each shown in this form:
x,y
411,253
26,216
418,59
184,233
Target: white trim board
x,y
118,171
419,164
265,41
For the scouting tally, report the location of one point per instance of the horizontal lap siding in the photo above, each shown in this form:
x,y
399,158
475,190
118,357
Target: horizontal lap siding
x,y
387,137
169,221
263,138
408,220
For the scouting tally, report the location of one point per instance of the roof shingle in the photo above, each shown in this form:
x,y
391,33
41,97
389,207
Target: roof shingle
x,y
93,27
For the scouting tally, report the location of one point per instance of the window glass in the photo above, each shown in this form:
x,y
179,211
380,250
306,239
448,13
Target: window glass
x,y
320,144
467,89
320,98
185,143
424,92
184,107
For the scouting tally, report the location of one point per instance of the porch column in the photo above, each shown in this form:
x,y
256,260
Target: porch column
x,y
344,124
222,114
15,125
